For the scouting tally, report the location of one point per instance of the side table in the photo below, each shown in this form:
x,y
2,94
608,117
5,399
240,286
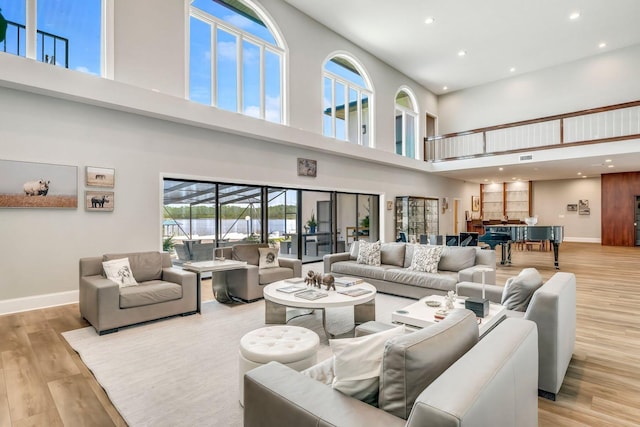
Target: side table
x,y
218,269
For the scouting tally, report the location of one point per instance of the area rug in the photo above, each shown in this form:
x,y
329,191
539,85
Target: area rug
x,y
184,370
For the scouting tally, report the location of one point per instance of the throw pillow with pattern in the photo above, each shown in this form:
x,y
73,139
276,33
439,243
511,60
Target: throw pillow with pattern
x,y
369,253
426,258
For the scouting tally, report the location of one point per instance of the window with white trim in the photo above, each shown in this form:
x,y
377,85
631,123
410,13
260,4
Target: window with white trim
x,y
406,124
346,102
236,59
67,33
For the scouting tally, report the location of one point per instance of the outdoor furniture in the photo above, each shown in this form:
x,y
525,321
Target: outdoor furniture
x,y
162,291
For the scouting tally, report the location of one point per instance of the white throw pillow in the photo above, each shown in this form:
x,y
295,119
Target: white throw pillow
x,y
356,364
369,253
268,258
426,258
119,271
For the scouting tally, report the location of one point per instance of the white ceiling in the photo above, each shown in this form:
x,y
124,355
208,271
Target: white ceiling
x,y
528,35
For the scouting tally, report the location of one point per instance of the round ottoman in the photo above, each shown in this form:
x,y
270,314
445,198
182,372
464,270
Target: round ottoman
x,y
293,346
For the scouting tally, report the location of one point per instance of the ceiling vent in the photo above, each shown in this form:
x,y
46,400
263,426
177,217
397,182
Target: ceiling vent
x,y
526,157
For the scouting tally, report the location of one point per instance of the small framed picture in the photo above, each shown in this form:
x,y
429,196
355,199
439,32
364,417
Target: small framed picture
x,y
100,177
389,205
99,201
583,207
475,203
572,207
307,167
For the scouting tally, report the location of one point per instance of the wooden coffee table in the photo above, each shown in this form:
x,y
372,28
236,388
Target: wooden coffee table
x,y
420,315
277,302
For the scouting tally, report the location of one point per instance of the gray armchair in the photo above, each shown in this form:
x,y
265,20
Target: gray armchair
x,y
163,291
247,283
493,383
553,309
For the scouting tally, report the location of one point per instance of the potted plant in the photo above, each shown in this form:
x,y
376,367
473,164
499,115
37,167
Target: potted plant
x,y
312,223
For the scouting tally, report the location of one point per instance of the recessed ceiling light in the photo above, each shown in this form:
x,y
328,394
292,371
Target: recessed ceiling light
x,y
512,69
602,45
579,173
445,87
429,20
611,166
574,16
500,169
486,180
608,161
513,178
462,52
584,176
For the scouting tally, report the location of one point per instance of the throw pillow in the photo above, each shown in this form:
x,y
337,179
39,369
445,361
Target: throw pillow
x,y
369,253
426,258
268,258
119,271
518,291
356,364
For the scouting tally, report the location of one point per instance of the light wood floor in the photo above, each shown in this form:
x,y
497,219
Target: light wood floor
x,y
43,382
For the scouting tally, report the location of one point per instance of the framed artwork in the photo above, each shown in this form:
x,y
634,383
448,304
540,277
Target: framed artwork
x,y
99,201
38,185
307,167
572,207
389,205
100,177
583,207
475,203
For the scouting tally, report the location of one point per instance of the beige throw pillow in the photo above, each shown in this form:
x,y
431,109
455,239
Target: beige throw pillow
x,y
426,258
369,253
119,271
356,364
268,258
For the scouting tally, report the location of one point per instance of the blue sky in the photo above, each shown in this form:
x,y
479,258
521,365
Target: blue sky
x,y
77,21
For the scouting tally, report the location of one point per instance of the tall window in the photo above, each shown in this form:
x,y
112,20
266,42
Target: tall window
x,y
406,124
236,59
347,98
67,33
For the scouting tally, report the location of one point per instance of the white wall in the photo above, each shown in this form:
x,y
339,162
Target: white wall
x,y
607,79
550,200
41,247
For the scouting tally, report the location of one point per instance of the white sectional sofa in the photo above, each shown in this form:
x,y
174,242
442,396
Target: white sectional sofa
x,y
393,276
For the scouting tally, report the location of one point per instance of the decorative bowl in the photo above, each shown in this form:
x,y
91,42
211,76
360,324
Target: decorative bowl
x,y
531,220
432,303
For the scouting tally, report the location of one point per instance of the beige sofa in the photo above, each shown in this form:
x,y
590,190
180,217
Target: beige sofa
x,y
163,291
424,381
247,283
553,309
393,276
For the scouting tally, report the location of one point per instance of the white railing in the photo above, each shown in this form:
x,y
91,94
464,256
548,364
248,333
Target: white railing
x,y
612,123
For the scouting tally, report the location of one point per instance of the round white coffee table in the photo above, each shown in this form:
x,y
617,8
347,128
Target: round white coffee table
x,y
276,303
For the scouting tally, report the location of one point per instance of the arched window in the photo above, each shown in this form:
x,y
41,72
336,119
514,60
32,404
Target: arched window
x,y
347,101
67,33
406,124
236,59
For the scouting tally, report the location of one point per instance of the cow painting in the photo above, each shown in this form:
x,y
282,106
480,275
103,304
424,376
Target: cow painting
x,y
36,188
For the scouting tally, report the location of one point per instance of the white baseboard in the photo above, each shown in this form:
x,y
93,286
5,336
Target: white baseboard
x,y
582,239
38,301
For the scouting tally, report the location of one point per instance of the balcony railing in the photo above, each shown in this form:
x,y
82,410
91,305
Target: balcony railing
x,y
52,49
612,123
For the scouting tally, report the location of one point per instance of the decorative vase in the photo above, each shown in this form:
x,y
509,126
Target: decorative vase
x,y
312,229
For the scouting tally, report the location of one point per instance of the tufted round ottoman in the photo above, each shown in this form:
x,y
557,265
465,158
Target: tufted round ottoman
x,y
293,346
